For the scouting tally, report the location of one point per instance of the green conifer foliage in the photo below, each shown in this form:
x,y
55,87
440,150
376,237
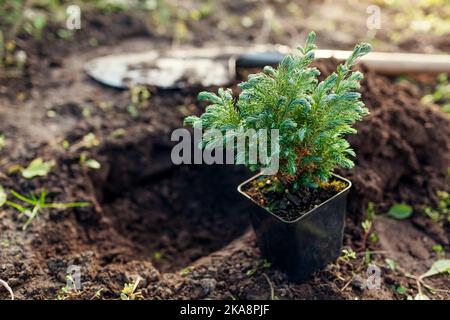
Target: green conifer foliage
x,y
313,118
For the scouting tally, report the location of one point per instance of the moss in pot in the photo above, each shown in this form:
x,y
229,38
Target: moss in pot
x,y
299,211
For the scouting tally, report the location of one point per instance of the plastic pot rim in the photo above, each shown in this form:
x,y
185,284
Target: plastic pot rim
x,y
307,213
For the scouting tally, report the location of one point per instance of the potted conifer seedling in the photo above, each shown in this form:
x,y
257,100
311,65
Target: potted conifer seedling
x,y
299,212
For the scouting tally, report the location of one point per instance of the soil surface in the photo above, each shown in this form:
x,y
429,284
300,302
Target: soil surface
x,y
183,230
289,206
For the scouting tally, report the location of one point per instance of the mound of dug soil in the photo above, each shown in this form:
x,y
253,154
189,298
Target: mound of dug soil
x,y
403,148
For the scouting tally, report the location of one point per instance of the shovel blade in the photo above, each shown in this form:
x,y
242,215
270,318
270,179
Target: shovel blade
x,y
153,69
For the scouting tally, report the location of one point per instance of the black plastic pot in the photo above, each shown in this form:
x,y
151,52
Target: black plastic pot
x,y
305,245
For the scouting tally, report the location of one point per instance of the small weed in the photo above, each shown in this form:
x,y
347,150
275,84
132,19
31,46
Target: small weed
x,y
367,226
441,93
118,133
52,114
88,141
129,291
392,265
185,271
400,211
370,211
367,257
373,237
133,111
33,205
266,264
37,168
139,96
2,141
2,196
442,212
250,272
66,144
157,256
348,255
439,249
441,266
12,61
65,34
86,111
105,105
263,264
69,291
89,163
400,289
4,243
97,295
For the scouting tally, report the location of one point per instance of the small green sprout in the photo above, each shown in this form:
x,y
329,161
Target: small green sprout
x,y
439,249
105,105
37,168
139,96
347,255
366,225
133,111
33,205
2,141
373,237
263,264
88,162
4,243
370,211
157,256
391,264
367,257
118,133
2,196
66,144
440,94
65,34
89,141
87,111
400,211
266,264
250,272
442,211
441,266
97,294
400,290
69,291
185,271
129,291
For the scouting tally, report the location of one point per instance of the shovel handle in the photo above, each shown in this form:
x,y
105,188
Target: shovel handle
x,y
259,59
381,62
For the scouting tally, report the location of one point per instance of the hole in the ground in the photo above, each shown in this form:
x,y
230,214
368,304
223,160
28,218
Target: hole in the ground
x,y
172,215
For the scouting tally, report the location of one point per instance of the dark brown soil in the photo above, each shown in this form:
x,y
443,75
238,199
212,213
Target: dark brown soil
x,y
289,206
184,230
403,148
150,202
